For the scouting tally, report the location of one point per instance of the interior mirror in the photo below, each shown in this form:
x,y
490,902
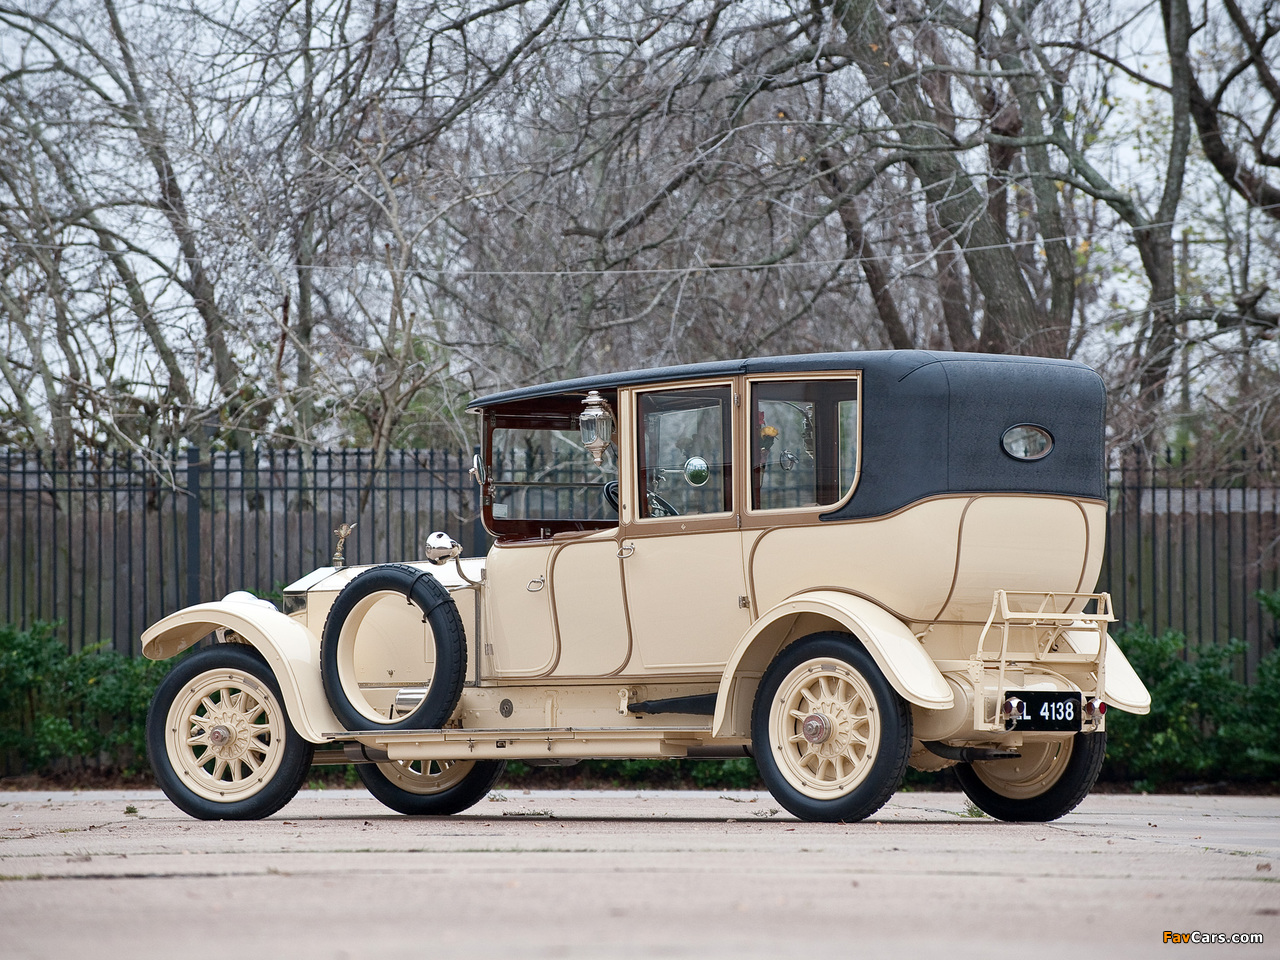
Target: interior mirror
x,y
696,471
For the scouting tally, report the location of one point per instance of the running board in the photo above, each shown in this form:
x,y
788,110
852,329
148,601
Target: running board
x,y
583,743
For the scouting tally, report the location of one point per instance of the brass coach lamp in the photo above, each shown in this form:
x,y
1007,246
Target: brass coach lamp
x,y
596,424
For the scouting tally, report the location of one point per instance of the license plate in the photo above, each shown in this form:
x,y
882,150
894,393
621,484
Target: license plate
x,y
1046,711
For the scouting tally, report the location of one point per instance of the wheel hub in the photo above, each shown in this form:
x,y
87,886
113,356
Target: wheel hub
x,y
228,738
220,735
816,728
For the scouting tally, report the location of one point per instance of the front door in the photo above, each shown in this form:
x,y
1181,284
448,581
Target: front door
x,y
681,545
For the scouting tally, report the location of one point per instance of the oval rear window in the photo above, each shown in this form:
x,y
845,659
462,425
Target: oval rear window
x,y
1027,442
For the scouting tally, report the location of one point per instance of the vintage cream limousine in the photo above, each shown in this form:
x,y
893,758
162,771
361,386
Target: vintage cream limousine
x,y
841,565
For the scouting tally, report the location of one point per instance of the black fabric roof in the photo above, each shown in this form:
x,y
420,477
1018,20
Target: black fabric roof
x,y
894,363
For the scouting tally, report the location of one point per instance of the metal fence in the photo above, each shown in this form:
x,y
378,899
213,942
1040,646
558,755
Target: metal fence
x,y
109,544
1191,555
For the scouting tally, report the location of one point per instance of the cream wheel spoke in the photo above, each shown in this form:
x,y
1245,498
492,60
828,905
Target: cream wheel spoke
x,y
833,703
425,777
248,724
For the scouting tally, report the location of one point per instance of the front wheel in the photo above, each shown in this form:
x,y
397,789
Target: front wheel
x,y
426,788
219,738
1046,782
830,735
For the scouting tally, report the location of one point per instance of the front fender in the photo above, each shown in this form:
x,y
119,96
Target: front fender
x,y
892,645
291,650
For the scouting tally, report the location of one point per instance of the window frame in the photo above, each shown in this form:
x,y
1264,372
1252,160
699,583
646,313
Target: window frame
x,y
544,413
631,461
770,516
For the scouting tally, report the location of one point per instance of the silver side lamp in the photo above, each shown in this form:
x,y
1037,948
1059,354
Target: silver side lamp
x,y
596,424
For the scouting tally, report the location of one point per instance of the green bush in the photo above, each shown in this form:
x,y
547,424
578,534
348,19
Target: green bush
x,y
62,712
65,712
1204,724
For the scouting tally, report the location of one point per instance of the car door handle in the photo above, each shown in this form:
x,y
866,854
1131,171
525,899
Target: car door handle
x,y
626,550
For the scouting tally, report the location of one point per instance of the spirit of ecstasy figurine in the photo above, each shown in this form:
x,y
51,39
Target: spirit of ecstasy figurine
x,y
344,530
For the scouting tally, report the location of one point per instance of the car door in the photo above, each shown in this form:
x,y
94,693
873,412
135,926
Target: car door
x,y
681,546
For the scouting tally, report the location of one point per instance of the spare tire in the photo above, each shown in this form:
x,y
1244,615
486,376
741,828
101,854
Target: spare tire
x,y
369,651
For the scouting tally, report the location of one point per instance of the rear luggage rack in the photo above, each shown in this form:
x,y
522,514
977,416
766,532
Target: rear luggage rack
x,y
1055,635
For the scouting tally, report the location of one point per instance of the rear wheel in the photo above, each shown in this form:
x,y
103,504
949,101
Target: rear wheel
x,y
426,788
1046,782
219,739
831,737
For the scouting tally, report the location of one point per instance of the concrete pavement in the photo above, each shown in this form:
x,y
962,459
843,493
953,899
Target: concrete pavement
x,y
633,874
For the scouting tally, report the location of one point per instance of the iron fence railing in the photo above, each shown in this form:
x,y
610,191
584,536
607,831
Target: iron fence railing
x,y
107,544
1188,554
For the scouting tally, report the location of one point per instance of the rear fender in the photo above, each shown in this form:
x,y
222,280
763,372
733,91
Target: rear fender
x,y
1122,688
290,649
890,642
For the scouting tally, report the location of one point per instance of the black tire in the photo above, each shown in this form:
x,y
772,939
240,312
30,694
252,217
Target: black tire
x,y
1046,782
839,680
225,690
341,636
430,788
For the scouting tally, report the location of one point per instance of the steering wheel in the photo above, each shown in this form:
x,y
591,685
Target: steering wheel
x,y
660,508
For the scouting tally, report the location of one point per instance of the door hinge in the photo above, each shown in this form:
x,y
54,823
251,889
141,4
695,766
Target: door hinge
x,y
744,603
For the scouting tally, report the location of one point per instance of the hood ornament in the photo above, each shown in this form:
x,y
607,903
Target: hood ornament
x,y
344,530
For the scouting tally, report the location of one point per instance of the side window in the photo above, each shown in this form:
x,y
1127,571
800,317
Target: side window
x,y
684,458
805,444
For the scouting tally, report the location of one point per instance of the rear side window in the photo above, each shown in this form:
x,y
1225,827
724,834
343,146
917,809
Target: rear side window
x,y
804,443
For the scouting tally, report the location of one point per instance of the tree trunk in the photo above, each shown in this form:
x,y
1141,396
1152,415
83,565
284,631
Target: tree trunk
x,y
960,205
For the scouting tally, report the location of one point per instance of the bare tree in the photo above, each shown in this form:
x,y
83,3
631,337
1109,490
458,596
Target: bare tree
x,y
323,221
